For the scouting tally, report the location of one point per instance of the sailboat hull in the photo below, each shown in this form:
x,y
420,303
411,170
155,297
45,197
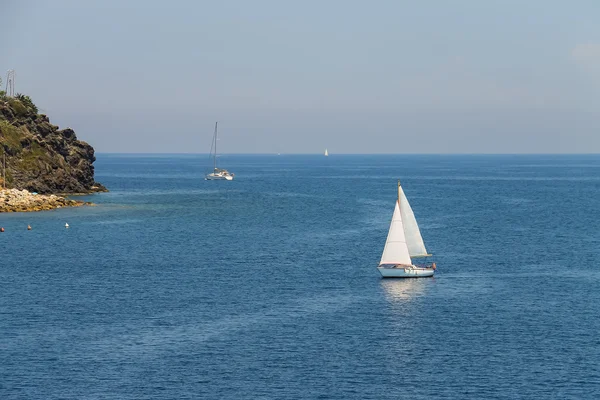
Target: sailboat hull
x,y
217,177
408,272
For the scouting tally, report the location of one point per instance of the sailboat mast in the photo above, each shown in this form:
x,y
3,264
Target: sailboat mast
x,y
400,209
215,156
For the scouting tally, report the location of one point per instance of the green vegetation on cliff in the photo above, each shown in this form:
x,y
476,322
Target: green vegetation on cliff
x,y
40,157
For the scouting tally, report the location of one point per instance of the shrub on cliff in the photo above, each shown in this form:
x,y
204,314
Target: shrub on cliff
x,y
19,108
10,138
27,102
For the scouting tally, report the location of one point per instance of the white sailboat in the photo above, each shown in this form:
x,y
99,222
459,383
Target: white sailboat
x,y
218,174
404,242
326,153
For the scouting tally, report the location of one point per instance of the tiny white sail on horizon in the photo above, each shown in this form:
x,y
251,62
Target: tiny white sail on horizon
x,y
326,153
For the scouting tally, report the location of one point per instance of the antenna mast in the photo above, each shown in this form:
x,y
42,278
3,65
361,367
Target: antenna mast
x,y
10,83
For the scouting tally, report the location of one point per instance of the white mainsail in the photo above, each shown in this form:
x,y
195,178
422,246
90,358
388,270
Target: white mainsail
x,y
414,240
396,249
326,153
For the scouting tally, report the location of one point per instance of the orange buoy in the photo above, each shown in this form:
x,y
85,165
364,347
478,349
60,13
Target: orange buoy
x,y
1,229
28,227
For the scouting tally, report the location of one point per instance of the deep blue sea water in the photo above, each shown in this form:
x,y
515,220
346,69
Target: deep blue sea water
x,y
265,287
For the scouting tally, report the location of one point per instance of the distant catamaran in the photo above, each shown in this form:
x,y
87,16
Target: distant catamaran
x,y
217,174
403,242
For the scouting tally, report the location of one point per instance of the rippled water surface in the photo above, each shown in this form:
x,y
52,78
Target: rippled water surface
x,y
173,287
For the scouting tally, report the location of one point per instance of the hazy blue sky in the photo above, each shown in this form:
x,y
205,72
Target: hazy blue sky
x,y
298,76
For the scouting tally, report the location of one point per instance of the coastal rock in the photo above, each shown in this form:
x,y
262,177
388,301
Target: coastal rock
x,y
40,157
15,200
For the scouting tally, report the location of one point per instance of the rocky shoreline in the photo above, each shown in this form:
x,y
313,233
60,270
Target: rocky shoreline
x,y
15,200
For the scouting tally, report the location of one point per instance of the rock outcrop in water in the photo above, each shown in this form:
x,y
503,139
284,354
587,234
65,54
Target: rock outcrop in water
x,y
15,200
40,157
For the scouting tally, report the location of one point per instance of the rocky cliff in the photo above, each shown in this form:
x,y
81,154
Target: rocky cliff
x,y
40,157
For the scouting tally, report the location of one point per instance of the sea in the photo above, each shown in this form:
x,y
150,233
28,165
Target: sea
x,y
266,287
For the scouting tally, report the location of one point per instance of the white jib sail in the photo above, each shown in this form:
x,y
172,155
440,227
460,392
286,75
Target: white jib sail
x,y
414,240
396,250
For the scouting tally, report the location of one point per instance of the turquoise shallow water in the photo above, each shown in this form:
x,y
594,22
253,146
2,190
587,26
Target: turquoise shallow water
x,y
266,287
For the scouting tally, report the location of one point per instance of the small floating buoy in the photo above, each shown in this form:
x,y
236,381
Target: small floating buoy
x,y
1,229
66,225
28,227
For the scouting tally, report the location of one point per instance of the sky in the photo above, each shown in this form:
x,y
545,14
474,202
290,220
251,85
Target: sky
x,y
353,76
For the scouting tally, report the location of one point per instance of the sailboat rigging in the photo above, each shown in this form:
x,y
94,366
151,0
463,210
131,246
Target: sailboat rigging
x,y
404,242
218,173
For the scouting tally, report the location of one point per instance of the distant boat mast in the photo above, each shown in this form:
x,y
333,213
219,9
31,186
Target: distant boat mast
x,y
215,136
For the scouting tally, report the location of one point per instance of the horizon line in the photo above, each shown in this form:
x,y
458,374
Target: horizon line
x,y
349,154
